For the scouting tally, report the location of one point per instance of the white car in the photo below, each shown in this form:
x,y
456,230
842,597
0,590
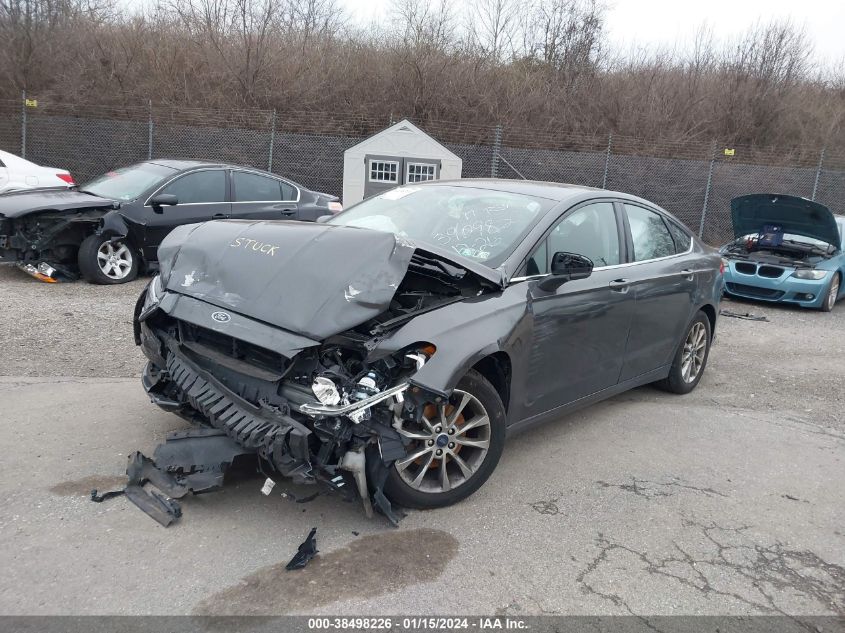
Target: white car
x,y
17,173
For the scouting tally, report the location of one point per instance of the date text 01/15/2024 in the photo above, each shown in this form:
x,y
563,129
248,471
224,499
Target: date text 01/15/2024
x,y
417,623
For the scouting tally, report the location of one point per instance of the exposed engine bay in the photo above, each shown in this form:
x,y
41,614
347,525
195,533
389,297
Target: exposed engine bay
x,y
336,413
47,243
786,252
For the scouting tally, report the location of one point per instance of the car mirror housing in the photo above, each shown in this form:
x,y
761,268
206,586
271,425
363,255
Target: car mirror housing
x,y
163,200
566,267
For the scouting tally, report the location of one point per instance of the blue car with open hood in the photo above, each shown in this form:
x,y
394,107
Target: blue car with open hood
x,y
786,249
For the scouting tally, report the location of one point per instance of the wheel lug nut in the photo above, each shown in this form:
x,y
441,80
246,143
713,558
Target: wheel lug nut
x,y
451,445
438,429
451,431
439,452
431,442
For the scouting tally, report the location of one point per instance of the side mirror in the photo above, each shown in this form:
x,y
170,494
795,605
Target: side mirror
x,y
324,218
163,200
566,267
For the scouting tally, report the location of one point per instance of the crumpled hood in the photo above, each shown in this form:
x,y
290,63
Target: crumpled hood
x,y
19,203
312,279
795,215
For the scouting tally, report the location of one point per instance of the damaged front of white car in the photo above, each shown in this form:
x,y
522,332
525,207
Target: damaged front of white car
x,y
278,340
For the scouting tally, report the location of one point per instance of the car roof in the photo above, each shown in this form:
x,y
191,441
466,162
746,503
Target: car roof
x,y
184,165
555,191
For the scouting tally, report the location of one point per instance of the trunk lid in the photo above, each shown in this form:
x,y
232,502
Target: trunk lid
x,y
794,215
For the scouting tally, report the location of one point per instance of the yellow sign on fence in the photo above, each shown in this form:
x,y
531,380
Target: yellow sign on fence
x,y
31,103
729,152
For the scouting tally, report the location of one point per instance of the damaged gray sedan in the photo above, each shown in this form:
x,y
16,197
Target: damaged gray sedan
x,y
391,349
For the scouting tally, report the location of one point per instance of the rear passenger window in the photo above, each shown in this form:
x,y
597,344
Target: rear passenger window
x,y
255,188
651,238
208,185
682,238
288,191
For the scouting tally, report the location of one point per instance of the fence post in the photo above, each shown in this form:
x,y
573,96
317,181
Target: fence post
x,y
497,148
607,161
23,124
272,141
818,174
150,130
707,190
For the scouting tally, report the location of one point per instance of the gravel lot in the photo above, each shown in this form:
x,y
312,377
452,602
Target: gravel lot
x,y
728,500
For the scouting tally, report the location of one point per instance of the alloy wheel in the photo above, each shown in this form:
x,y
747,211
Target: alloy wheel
x,y
114,260
834,291
448,445
695,348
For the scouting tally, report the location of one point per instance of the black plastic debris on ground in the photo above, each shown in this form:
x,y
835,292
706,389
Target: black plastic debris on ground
x,y
96,497
743,315
193,461
307,550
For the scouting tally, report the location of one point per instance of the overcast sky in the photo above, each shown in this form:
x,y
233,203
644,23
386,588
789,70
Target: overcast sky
x,y
667,22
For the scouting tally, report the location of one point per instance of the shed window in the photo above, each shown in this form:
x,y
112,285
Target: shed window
x,y
384,171
420,172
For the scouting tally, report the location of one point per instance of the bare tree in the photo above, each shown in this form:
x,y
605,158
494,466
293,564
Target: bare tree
x,y
492,25
240,34
30,32
564,34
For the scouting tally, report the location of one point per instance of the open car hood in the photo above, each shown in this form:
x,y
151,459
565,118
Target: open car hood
x,y
15,204
311,279
795,215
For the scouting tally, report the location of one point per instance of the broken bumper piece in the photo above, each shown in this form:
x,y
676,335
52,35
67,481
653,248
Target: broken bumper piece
x,y
267,431
177,382
193,461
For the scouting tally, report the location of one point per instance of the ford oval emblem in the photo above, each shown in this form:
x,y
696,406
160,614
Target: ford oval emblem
x,y
221,317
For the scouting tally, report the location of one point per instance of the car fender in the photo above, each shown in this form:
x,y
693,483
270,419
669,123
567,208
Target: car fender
x,y
113,225
463,334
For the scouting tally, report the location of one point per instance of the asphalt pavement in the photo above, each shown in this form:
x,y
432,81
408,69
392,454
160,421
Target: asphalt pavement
x,y
727,501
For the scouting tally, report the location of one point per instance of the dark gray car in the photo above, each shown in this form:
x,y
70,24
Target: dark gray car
x,y
109,229
400,342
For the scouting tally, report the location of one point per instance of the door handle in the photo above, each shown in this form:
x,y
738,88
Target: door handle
x,y
620,285
219,216
689,274
288,211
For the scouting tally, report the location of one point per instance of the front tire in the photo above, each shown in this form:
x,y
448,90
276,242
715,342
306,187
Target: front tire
x,y
104,262
832,294
454,449
691,357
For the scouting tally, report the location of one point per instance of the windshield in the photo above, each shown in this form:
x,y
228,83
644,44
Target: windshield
x,y
128,183
479,224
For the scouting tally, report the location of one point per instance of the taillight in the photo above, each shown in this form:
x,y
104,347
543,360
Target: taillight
x,y
67,178
722,266
335,207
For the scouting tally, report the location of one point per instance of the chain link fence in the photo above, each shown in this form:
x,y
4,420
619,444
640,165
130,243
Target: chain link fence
x,y
694,180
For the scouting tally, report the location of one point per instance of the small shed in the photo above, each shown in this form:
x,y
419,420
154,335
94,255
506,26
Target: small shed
x,y
398,155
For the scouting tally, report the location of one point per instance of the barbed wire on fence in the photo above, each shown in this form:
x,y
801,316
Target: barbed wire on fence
x,y
692,178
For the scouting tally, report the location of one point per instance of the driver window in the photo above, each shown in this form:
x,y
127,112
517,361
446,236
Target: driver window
x,y
590,230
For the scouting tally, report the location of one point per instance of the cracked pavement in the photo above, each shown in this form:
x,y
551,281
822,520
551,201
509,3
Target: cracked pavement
x,y
727,501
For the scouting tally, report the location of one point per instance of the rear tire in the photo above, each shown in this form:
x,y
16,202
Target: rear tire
x,y
691,357
832,294
104,262
472,436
